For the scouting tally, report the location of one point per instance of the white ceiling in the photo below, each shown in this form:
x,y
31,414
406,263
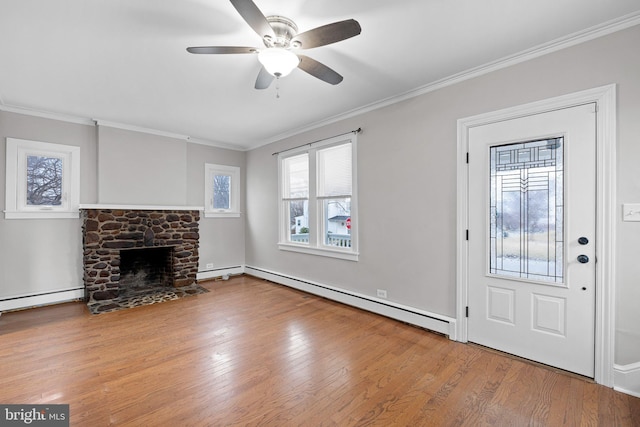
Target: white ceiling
x,y
125,61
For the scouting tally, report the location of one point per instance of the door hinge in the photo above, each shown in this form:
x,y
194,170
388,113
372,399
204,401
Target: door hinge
x,y
466,311
467,157
467,234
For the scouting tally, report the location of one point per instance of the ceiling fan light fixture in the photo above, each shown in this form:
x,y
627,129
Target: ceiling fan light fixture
x,y
279,62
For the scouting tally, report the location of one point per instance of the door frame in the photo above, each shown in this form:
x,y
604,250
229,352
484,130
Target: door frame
x,y
605,99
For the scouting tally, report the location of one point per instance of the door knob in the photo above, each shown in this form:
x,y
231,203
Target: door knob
x,y
583,259
583,240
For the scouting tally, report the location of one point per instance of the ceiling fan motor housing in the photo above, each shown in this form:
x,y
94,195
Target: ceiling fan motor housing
x,y
285,29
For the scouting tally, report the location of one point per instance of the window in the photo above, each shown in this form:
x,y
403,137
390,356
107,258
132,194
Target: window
x,y
318,199
222,191
43,180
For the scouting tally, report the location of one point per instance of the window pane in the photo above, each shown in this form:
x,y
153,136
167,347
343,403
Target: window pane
x,y
337,222
298,221
526,218
221,191
334,171
296,177
44,181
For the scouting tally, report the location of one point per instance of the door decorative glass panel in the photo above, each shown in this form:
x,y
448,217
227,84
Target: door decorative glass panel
x,y
526,210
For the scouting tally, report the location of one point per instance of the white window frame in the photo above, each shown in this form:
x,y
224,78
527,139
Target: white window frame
x,y
316,244
16,180
234,203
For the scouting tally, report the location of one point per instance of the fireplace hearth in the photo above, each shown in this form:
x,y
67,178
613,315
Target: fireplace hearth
x,y
131,253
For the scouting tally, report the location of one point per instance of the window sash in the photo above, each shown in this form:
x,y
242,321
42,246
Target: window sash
x,y
334,170
296,176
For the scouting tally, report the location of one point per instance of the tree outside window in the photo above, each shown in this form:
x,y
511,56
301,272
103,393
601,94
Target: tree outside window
x,y
221,191
44,181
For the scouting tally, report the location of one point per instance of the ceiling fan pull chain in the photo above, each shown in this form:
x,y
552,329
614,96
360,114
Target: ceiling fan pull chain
x,y
277,87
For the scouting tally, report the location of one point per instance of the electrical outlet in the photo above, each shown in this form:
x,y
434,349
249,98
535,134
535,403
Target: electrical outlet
x,y
209,266
382,293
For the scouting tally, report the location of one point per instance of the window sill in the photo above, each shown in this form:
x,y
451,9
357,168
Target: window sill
x,y
210,214
331,253
44,214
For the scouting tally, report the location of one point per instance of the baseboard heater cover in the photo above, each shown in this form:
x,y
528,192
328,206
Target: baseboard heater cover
x,y
219,272
435,322
42,298
627,379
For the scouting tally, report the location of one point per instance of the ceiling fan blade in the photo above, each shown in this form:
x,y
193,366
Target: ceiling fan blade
x,y
254,17
264,79
328,34
221,49
319,70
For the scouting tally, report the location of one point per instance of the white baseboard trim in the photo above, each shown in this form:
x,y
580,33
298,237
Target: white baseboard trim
x,y
43,298
219,272
435,322
627,379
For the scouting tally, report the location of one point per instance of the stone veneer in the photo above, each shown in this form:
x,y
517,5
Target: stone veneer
x,y
108,231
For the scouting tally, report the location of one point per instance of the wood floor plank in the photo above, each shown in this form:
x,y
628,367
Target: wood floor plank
x,y
253,353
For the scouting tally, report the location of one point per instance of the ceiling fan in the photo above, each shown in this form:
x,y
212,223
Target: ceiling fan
x,y
280,37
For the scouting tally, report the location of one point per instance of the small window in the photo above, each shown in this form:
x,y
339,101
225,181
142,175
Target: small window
x,y
317,196
222,191
43,180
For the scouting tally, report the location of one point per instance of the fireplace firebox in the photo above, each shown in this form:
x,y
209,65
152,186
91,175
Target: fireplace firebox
x,y
145,270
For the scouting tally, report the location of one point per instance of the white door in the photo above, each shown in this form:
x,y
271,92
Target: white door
x,y
532,225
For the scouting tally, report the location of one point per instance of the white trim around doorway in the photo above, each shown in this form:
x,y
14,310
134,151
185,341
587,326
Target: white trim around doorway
x,y
605,99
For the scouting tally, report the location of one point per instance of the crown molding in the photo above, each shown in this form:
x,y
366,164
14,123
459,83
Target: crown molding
x,y
47,115
218,144
68,118
134,128
573,39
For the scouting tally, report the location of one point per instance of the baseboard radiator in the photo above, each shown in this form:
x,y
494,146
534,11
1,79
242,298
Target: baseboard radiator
x,y
19,302
627,378
223,272
435,322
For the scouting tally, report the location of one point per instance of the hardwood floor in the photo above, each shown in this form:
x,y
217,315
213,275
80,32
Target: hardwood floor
x,y
251,352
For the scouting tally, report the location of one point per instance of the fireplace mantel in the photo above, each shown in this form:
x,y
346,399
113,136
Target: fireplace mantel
x,y
142,207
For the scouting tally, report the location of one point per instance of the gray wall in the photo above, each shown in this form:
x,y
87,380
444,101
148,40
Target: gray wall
x,y
39,256
407,182
140,168
44,255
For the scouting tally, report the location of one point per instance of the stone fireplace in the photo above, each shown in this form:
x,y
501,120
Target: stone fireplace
x,y
127,251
